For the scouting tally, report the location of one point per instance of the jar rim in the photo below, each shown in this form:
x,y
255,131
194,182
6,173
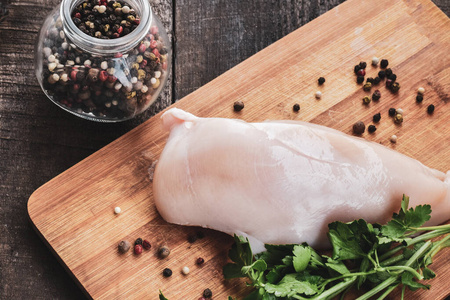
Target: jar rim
x,y
106,46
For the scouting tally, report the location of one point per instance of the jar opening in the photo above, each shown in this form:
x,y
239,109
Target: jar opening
x,y
106,46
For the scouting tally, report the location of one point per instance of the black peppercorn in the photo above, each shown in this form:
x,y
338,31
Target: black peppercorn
x,y
356,69
392,111
430,109
321,80
376,95
393,77
359,127
389,83
360,79
296,107
376,118
388,72
371,128
138,242
382,74
238,105
384,63
419,98
362,64
167,272
370,80
199,261
376,80
207,293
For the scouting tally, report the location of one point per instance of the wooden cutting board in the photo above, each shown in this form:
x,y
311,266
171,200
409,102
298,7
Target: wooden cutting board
x,y
74,212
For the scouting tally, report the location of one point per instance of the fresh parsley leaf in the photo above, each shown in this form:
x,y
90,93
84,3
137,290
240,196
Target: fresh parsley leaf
x,y
275,274
275,253
240,252
290,285
406,221
409,280
259,265
302,256
352,240
428,274
232,271
337,266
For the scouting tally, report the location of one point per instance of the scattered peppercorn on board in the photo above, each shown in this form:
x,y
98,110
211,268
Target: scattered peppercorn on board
x,y
74,212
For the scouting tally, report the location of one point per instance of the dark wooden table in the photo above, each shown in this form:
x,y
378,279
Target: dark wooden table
x,y
38,140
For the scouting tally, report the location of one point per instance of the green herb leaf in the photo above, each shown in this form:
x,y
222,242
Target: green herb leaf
x,y
240,252
428,274
337,266
302,256
161,296
290,285
232,271
409,280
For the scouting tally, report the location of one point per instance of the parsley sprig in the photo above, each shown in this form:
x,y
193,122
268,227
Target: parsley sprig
x,y
370,257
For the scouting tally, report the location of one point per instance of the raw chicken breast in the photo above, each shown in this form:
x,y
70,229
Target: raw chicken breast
x,y
282,182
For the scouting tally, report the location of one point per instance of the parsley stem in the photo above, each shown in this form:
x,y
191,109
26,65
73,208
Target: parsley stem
x,y
335,290
378,288
388,291
440,227
438,246
405,268
392,260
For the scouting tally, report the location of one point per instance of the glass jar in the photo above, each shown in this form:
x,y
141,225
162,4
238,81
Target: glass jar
x,y
106,80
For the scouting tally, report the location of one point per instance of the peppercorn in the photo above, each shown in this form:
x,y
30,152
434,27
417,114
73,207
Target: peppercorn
x,y
367,87
430,109
384,63
124,246
419,98
398,118
393,77
366,100
395,87
376,95
392,111
167,272
321,80
199,261
318,94
296,107
375,61
185,270
138,242
421,90
376,118
371,129
362,64
376,80
388,72
389,83
137,249
359,127
393,139
369,79
382,74
360,79
361,72
146,244
238,105
192,238
163,252
207,293
356,69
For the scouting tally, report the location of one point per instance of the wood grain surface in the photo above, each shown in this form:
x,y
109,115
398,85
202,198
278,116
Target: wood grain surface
x,y
38,140
74,211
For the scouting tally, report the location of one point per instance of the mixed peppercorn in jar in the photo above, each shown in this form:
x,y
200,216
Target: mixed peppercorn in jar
x,y
104,60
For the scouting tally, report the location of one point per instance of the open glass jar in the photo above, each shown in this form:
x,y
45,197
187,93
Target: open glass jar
x,y
97,78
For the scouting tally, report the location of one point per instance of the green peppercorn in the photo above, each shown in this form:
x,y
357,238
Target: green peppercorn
x,y
366,100
395,87
367,87
359,127
398,119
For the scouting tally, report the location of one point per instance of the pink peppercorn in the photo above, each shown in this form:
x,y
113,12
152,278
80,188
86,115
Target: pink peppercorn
x,y
142,48
103,75
146,244
153,44
200,261
361,72
156,52
73,75
119,30
78,15
137,249
118,55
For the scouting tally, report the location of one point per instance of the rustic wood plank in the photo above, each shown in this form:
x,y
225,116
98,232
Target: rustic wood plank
x,y
412,34
38,141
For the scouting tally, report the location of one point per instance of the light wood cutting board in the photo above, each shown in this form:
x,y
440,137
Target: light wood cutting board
x,y
74,211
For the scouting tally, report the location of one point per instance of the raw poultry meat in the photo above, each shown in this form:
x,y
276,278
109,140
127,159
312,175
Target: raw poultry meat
x,y
281,182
